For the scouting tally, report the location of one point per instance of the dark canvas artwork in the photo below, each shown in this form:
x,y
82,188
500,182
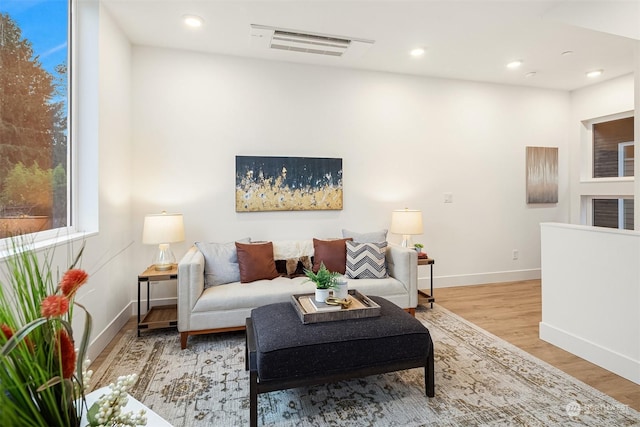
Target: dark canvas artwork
x,y
288,183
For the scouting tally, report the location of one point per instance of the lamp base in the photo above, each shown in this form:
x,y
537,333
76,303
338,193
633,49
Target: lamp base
x,y
406,241
164,259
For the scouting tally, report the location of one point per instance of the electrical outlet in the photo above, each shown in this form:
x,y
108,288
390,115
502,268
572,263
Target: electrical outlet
x,y
516,254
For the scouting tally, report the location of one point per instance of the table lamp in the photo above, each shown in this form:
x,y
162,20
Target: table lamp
x,y
406,222
163,229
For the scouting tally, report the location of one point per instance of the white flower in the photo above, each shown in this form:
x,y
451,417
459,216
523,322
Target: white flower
x,y
110,406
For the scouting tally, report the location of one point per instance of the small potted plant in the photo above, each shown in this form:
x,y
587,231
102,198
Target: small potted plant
x,y
324,279
419,247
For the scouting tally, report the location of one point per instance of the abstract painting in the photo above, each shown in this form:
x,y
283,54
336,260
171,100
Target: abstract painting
x,y
542,175
288,184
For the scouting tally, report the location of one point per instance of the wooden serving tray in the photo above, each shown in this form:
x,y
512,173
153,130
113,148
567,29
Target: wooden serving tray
x,y
361,306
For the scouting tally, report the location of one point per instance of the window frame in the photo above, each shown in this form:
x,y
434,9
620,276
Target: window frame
x,y
587,203
586,169
621,157
590,188
70,232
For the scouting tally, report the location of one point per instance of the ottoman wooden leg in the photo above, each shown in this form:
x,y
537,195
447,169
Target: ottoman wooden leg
x,y
429,377
251,366
253,399
246,353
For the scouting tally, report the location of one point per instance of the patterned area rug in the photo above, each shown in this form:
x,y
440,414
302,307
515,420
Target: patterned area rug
x,y
481,380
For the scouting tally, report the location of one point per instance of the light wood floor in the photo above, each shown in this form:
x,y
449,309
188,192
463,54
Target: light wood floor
x,y
511,311
130,325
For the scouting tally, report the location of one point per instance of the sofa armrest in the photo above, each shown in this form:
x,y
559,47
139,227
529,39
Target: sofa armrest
x,y
402,264
190,285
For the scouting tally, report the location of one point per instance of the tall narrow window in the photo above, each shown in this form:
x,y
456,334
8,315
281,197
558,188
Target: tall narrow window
x,y
34,107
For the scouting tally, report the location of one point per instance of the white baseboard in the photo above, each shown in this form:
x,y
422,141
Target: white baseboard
x,y
109,332
478,278
105,336
594,353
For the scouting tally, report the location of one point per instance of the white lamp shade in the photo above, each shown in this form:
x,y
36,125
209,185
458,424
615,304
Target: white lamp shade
x,y
406,222
162,228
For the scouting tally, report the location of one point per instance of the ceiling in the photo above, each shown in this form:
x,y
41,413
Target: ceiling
x,y
469,40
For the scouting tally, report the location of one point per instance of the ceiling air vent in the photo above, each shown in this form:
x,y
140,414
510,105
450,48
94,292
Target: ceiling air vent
x,y
309,43
305,42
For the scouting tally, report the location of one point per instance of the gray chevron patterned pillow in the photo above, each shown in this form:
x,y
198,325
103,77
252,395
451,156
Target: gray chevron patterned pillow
x,y
366,260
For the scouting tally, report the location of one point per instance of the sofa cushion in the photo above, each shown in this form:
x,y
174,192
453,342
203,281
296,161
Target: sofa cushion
x,y
220,262
370,237
366,260
333,253
238,296
256,261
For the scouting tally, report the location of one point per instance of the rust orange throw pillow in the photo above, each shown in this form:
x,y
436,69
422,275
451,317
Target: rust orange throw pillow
x,y
332,252
256,261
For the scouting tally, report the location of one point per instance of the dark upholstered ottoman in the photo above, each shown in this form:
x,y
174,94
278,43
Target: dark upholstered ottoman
x,y
283,353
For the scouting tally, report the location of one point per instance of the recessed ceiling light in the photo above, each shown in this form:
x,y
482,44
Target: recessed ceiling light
x,y
530,74
417,52
595,73
192,21
514,64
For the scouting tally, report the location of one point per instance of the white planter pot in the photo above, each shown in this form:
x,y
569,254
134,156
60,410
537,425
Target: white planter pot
x,y
322,295
341,290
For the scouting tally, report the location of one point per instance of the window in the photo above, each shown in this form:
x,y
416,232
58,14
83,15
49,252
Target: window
x,y
613,148
613,213
34,125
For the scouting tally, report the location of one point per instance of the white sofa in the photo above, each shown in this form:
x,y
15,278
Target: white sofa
x,y
226,307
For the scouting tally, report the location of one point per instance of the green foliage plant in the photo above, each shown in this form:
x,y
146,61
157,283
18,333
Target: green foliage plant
x,y
323,279
43,382
419,245
29,186
33,118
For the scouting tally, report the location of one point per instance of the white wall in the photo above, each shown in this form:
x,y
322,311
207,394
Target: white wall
x,y
591,295
606,99
590,275
404,141
103,144
111,249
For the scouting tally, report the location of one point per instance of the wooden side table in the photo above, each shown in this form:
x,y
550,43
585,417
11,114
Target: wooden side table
x,y
160,316
429,296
